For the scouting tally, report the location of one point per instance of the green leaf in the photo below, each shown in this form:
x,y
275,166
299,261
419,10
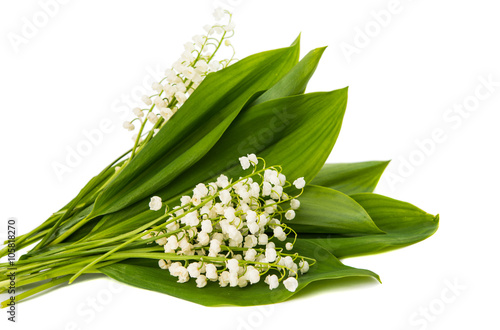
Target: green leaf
x,y
295,81
300,133
403,223
126,220
327,211
147,275
83,198
351,178
297,132
195,128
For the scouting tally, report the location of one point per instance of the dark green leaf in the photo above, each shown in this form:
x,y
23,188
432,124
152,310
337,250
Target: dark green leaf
x,y
292,83
146,274
297,132
195,128
300,133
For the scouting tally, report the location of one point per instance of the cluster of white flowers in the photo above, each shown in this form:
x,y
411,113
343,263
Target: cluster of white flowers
x,y
186,74
234,233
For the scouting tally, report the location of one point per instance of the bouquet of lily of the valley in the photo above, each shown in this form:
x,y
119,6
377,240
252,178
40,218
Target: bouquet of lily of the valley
x,y
225,193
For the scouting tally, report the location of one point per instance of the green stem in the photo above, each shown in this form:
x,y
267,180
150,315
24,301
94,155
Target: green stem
x,y
166,215
98,182
40,288
73,255
47,222
167,256
60,271
70,231
23,244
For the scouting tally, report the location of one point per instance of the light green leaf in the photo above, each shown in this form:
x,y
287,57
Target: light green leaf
x,y
147,275
295,81
403,224
327,211
351,178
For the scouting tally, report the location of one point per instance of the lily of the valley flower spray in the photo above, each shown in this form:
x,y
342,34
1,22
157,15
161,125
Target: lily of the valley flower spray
x,y
226,230
184,213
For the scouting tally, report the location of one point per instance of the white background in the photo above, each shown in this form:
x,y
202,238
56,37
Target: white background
x,y
73,72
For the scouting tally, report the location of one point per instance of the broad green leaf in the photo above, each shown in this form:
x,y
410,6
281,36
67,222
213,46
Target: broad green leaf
x,y
218,159
295,81
195,128
301,132
146,274
403,224
351,178
297,132
327,211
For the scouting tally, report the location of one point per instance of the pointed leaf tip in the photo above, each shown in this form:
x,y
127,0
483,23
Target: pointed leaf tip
x,y
297,40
